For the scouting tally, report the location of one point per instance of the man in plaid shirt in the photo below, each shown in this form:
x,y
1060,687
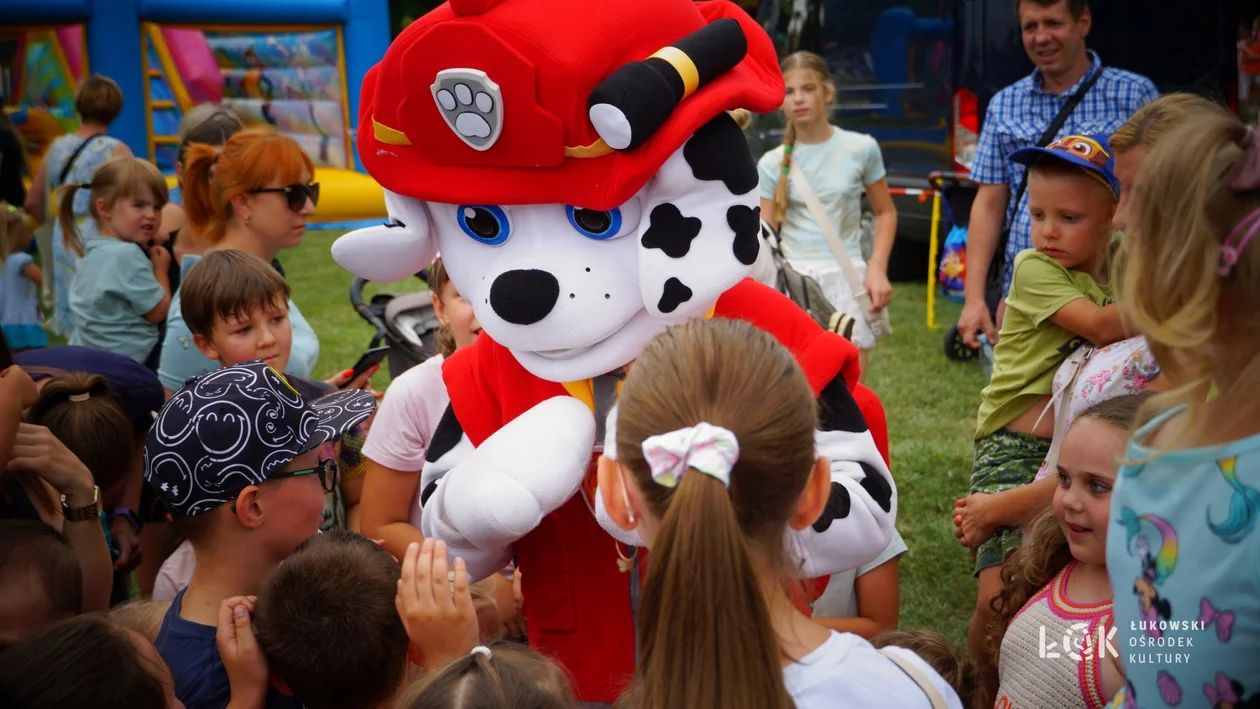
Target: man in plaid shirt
x,y
1054,34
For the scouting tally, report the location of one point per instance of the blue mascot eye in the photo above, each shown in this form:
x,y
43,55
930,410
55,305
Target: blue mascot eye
x,y
486,224
593,223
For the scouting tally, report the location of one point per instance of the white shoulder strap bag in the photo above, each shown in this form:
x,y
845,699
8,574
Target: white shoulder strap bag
x,y
878,322
925,684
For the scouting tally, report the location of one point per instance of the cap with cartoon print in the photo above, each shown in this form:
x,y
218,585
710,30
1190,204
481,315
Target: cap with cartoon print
x,y
1091,153
235,427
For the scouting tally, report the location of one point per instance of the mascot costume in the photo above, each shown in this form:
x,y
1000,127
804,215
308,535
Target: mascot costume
x,y
573,163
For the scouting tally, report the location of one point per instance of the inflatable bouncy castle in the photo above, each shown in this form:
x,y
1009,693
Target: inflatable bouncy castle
x,y
288,63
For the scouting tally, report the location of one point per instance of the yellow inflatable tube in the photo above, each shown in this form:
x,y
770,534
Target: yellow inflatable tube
x,y
344,196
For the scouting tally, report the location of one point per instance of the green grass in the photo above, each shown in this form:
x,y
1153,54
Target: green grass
x,y
930,404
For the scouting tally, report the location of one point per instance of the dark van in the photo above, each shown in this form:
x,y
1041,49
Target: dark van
x,y
918,74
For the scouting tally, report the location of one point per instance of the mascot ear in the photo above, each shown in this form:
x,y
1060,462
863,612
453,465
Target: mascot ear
x,y
392,251
698,236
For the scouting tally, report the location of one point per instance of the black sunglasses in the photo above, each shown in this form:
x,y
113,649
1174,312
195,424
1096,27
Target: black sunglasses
x,y
327,471
296,194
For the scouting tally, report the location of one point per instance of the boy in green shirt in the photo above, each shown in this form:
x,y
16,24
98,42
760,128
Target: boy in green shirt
x,y
1060,298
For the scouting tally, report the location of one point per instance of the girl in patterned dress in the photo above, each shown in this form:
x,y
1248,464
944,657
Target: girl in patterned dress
x,y
1053,616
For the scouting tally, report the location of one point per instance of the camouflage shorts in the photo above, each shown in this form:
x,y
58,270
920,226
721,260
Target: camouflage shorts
x,y
1004,460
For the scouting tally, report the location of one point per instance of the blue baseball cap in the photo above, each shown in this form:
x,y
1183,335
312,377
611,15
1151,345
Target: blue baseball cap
x,y
235,427
1091,153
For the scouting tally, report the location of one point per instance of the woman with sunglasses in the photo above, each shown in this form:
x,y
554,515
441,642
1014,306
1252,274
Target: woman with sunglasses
x,y
255,196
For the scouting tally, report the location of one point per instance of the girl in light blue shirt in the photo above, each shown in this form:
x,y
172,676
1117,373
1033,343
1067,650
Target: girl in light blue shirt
x,y
1183,551
840,166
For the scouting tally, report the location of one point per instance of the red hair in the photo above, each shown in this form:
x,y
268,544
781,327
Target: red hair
x,y
250,160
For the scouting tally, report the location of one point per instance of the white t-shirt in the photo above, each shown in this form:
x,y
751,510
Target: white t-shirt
x,y
847,671
839,600
175,573
406,420
838,171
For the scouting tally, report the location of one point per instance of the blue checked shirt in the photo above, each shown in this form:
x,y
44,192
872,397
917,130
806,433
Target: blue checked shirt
x,y
1021,112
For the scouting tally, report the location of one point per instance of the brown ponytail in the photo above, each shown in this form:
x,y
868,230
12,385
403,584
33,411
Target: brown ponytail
x,y
69,229
79,410
716,546
795,60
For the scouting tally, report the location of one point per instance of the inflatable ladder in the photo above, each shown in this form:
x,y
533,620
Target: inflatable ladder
x,y
165,97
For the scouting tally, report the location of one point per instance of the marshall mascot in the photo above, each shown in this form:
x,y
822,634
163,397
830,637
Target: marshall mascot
x,y
573,163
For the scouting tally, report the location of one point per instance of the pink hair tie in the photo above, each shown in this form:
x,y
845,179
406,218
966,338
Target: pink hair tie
x,y
1234,245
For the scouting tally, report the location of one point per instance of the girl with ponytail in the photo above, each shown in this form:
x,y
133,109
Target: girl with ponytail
x,y
715,460
839,166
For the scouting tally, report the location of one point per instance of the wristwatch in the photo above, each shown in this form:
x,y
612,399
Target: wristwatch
x,y
84,513
128,515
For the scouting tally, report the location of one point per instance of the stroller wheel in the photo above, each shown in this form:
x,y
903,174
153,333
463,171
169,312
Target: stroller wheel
x,y
955,349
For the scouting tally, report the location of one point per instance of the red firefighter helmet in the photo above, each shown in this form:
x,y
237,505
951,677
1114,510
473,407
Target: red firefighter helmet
x,y
556,101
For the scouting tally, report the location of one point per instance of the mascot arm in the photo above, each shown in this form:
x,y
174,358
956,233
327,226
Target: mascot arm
x,y
858,521
481,500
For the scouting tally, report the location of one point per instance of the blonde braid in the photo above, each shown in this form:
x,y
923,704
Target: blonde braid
x,y
781,187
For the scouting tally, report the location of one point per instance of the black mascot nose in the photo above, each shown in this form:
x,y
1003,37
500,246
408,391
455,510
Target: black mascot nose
x,y
524,297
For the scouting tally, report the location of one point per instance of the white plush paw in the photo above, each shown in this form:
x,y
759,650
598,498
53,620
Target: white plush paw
x,y
525,471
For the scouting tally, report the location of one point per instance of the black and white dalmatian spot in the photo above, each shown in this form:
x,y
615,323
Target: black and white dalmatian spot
x,y
718,151
877,486
448,435
671,231
746,223
837,410
675,294
838,505
471,104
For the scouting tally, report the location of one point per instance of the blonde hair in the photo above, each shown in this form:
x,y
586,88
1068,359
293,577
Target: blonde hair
x,y
1186,210
13,222
119,178
795,60
144,617
509,676
1154,120
702,576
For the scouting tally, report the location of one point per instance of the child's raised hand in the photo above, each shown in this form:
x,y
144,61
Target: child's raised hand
x,y
437,612
242,658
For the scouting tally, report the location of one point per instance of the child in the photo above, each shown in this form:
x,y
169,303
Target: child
x,y
79,410
710,476
839,165
1056,586
86,662
404,426
1185,547
244,495
1059,299
865,600
505,674
957,669
120,292
20,280
40,579
325,619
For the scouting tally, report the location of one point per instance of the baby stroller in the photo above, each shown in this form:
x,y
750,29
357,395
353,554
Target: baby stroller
x,y
405,322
